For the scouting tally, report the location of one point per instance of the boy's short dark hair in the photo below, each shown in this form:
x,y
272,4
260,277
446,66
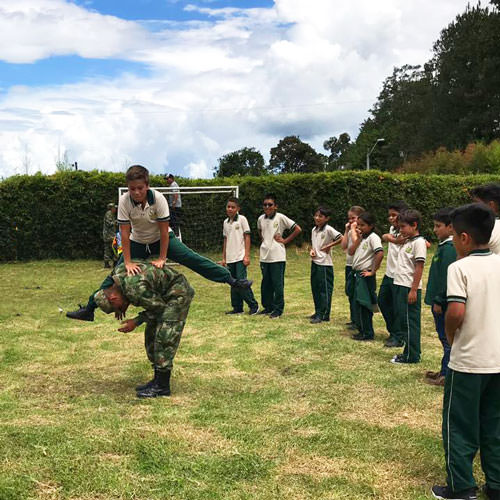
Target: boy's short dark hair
x,y
270,196
443,215
368,218
170,176
410,216
324,211
397,206
487,192
356,209
137,173
234,200
475,219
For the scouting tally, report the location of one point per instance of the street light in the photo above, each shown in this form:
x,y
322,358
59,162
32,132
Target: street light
x,y
378,141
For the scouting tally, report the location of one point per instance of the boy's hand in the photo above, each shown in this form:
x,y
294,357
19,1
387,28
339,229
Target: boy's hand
x,y
347,226
437,309
367,273
159,263
326,248
246,261
412,297
279,238
385,237
128,326
223,263
132,268
312,253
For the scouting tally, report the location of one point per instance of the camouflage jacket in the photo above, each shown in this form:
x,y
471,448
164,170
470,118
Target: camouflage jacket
x,y
109,226
164,294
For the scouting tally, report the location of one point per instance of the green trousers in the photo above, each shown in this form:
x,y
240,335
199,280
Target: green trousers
x,y
178,252
272,286
322,290
471,421
108,256
386,303
407,322
363,295
348,278
239,295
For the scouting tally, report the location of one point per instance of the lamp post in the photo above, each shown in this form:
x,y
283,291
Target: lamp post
x,y
378,141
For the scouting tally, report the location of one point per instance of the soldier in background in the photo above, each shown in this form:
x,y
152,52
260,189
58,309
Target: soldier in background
x,y
109,229
165,296
175,204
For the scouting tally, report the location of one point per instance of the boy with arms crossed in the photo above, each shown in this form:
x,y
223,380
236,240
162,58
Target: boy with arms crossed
x,y
236,255
271,225
435,295
408,287
471,406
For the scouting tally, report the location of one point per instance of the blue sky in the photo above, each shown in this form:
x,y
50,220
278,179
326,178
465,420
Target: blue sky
x,y
175,85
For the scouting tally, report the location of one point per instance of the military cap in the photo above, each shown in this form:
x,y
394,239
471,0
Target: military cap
x,y
102,302
111,205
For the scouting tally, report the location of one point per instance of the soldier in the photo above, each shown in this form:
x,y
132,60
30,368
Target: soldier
x,y
165,296
108,234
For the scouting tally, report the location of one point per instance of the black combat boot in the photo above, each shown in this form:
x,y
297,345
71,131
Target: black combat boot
x,y
161,386
147,385
84,314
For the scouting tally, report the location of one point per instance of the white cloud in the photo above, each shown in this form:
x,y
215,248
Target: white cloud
x,y
243,78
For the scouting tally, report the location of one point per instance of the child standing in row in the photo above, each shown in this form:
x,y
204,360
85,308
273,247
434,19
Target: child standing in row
x,y
323,238
489,194
435,295
346,243
386,292
367,253
271,225
408,286
236,256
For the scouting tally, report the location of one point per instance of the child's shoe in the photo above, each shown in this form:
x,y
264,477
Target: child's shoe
x,y
445,492
315,319
83,314
234,311
253,311
274,315
436,381
432,375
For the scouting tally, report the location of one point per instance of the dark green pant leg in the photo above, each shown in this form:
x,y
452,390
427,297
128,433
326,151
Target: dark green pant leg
x,y
322,288
407,322
180,253
348,279
364,299
462,395
239,295
266,287
272,287
489,421
386,303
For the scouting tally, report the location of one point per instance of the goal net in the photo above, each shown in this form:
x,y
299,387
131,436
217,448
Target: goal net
x,y
198,222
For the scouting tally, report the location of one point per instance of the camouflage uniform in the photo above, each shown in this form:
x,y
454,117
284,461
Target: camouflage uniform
x,y
165,295
109,229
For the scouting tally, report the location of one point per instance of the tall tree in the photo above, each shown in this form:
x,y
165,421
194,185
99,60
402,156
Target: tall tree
x,y
338,147
291,155
245,161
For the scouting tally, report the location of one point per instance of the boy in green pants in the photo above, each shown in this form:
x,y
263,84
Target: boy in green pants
x,y
271,225
471,406
408,287
236,256
143,217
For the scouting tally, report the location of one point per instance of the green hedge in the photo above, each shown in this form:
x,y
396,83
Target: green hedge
x,y
60,216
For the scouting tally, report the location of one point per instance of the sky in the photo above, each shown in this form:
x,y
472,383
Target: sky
x,y
174,85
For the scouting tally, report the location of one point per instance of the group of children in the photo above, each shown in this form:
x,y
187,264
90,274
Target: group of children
x,y
463,295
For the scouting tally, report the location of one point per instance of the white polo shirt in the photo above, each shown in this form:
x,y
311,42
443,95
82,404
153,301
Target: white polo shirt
x,y
475,281
269,227
321,237
234,231
348,256
175,191
411,252
392,254
495,238
143,221
364,254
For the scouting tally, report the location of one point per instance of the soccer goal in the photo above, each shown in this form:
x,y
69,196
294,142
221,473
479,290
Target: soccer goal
x,y
198,222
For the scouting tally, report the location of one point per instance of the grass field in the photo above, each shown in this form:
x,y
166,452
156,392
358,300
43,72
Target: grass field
x,y
260,409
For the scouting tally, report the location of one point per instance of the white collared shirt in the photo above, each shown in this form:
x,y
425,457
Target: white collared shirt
x,y
234,232
321,237
269,227
364,254
392,254
412,251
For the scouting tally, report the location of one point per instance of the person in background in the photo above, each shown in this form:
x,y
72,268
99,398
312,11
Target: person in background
x,y
109,228
175,204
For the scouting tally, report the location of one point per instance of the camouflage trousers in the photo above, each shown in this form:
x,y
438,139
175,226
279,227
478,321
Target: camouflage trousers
x,y
163,334
109,256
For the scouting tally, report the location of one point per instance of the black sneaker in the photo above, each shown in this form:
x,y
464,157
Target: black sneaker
x,y
315,319
253,311
361,337
399,359
393,343
446,493
490,493
241,283
233,311
264,311
274,315
83,314
312,316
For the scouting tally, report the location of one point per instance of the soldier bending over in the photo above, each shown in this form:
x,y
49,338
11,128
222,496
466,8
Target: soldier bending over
x,y
165,296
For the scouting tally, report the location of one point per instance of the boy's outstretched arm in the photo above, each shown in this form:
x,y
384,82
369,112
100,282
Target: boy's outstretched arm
x,y
417,276
246,258
454,318
164,241
131,267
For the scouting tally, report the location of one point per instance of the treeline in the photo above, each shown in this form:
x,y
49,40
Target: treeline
x,y
441,117
60,216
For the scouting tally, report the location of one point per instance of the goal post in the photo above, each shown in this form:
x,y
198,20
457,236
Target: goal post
x,y
201,215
